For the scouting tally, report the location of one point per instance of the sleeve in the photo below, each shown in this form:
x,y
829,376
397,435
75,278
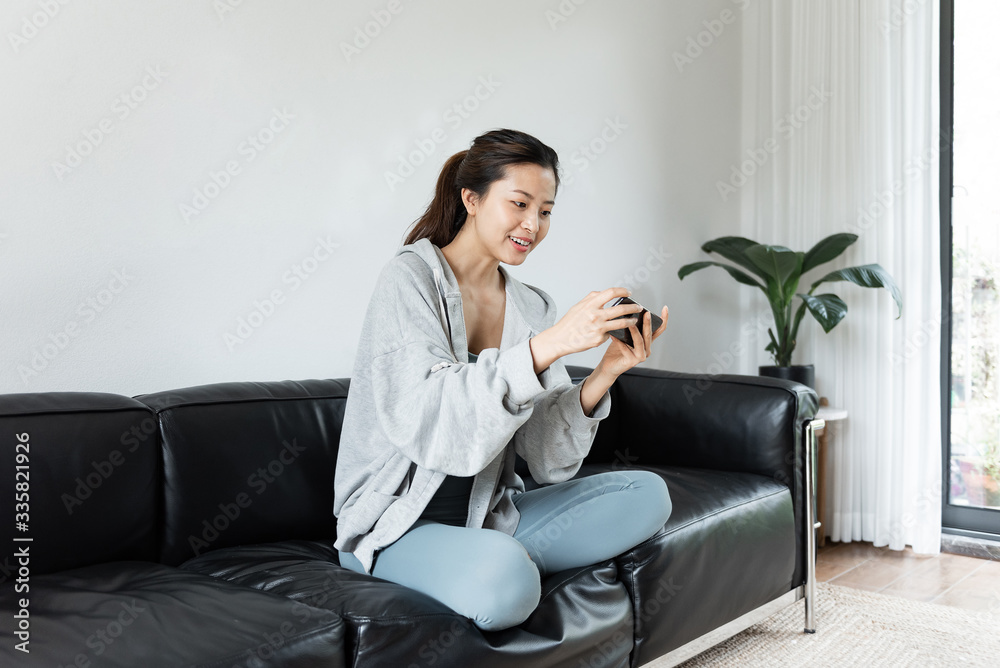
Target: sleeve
x,y
557,435
443,415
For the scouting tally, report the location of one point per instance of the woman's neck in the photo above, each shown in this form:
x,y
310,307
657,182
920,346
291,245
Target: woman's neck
x,y
471,267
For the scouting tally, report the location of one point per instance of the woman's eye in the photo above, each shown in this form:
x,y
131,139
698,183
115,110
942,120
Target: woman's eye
x,y
520,205
546,213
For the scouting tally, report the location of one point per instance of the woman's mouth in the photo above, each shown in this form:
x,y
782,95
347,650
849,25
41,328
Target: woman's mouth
x,y
522,248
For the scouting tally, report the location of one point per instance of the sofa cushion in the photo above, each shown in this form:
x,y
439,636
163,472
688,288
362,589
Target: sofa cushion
x,y
86,467
247,463
142,614
584,616
729,541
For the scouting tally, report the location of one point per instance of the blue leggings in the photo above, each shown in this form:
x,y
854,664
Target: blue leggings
x,y
495,579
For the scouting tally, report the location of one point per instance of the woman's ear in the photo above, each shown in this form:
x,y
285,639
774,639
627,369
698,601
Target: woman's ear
x,y
470,201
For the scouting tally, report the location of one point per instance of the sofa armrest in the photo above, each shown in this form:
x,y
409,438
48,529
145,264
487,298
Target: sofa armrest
x,y
724,422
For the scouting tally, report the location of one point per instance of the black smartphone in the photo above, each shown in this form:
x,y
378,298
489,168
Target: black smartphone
x,y
624,335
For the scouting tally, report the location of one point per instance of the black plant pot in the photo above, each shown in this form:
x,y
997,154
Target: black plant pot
x,y
800,373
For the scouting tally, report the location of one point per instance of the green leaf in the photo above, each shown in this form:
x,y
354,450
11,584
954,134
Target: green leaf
x,y
740,276
828,309
827,249
867,276
792,283
777,262
733,249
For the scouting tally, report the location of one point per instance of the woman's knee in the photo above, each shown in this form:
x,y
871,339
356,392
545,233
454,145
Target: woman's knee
x,y
482,574
504,586
650,494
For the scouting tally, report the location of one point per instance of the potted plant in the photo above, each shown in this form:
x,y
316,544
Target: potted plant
x,y
776,270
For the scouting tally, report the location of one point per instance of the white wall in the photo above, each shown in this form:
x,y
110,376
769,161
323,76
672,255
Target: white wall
x,y
200,80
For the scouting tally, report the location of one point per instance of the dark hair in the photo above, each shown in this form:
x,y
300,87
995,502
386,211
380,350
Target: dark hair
x,y
477,168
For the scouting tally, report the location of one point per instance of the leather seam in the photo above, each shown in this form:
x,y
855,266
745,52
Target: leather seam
x,y
141,408
228,402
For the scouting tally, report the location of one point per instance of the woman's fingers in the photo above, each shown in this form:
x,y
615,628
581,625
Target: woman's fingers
x,y
638,338
622,309
665,312
647,329
608,294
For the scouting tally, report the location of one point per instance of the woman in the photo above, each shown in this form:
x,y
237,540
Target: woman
x,y
457,372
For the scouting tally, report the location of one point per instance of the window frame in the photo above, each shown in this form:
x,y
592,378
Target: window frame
x,y
968,521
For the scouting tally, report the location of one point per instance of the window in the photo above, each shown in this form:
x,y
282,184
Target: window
x,y
970,254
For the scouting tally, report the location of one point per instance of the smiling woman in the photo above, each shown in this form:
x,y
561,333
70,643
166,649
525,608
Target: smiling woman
x,y
458,372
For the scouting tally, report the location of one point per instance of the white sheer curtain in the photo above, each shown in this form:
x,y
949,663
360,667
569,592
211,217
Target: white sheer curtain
x,y
840,134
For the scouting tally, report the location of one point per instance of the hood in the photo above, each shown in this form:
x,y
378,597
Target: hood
x,y
533,306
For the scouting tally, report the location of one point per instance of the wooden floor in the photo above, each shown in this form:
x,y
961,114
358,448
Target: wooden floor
x,y
945,579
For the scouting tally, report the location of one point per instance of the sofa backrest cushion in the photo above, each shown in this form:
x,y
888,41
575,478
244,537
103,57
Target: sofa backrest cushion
x,y
724,422
79,477
247,462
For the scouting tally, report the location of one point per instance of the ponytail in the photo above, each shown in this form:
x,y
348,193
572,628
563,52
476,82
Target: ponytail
x,y
477,168
446,213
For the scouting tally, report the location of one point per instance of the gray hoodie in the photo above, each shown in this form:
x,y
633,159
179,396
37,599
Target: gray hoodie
x,y
417,410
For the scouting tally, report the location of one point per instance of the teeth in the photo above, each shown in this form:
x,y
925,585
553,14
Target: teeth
x,y
518,241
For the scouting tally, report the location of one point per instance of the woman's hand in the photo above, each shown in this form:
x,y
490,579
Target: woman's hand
x,y
586,325
619,357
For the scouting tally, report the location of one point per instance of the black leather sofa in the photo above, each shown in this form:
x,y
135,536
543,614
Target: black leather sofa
x,y
194,528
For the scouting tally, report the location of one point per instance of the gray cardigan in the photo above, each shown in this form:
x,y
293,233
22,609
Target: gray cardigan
x,y
417,410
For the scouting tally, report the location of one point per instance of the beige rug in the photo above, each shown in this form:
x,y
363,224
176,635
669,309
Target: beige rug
x,y
859,628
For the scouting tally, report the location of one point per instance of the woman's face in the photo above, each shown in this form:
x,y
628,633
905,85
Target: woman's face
x,y
518,206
